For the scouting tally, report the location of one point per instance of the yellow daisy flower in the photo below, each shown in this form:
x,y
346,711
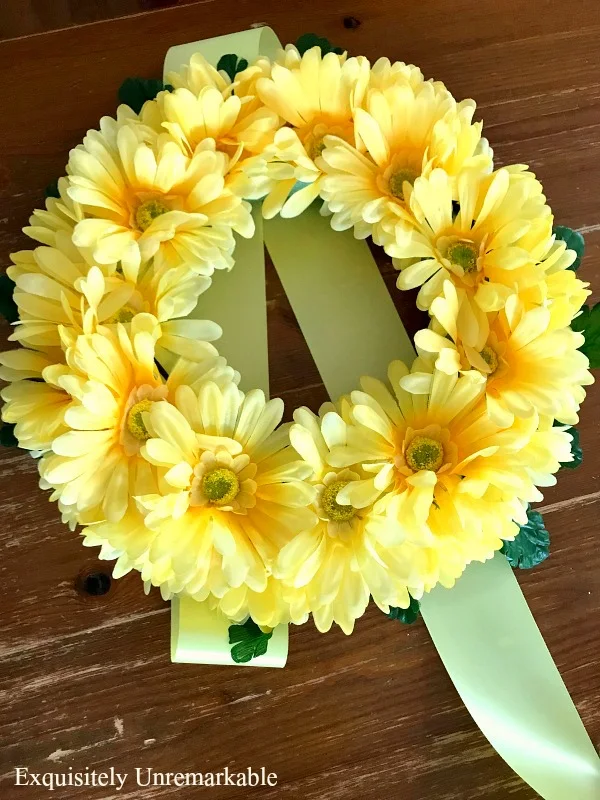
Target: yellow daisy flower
x,y
143,197
112,380
547,449
386,74
561,290
529,364
449,478
198,73
493,246
316,95
57,287
277,604
403,131
565,295
133,546
353,551
231,493
206,104
54,224
49,291
34,400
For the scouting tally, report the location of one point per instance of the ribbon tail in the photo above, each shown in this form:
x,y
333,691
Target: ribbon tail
x,y
498,660
237,302
200,635
482,628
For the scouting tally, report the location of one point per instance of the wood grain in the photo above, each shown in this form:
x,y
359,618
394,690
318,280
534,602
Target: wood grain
x,y
86,680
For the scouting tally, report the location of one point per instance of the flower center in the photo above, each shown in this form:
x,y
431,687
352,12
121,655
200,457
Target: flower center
x,y
424,453
316,147
148,211
125,314
334,510
135,422
463,254
221,486
397,179
490,357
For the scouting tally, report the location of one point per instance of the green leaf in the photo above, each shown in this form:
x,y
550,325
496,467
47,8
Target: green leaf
x,y
134,92
531,545
406,615
574,241
230,64
52,189
261,645
8,307
249,641
7,436
588,323
576,451
308,40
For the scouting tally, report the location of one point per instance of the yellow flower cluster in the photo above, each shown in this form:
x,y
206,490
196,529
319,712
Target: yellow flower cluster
x,y
195,484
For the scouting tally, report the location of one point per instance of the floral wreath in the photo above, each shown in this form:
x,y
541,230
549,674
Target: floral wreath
x,y
139,427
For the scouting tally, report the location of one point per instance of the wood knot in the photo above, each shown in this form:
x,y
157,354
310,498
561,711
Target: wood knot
x,y
94,583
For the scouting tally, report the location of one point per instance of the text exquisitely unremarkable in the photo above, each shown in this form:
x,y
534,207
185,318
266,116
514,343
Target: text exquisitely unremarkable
x,y
143,776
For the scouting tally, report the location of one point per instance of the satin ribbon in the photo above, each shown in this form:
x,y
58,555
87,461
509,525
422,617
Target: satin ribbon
x,y
482,628
237,302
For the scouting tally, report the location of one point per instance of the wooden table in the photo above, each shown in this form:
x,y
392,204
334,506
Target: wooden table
x,y
86,678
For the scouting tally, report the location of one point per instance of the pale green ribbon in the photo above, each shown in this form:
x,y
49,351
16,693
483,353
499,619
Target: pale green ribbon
x,y
236,301
482,628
